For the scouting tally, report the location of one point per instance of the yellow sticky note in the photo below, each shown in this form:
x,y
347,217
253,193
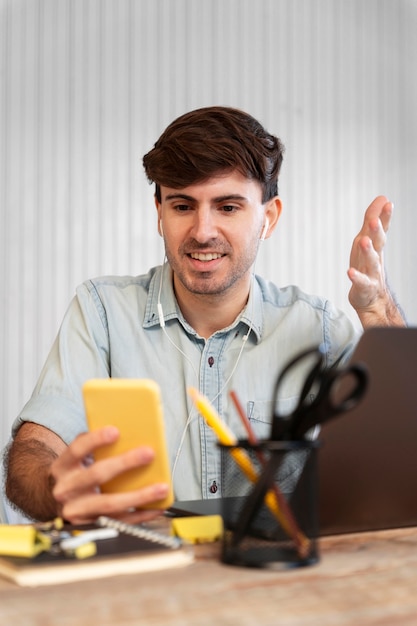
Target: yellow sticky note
x,y
198,529
86,550
22,540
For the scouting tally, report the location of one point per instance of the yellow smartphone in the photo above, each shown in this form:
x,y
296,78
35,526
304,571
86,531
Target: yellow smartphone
x,y
134,406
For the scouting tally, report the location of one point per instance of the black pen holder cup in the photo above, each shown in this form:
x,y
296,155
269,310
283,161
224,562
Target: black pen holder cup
x,y
270,504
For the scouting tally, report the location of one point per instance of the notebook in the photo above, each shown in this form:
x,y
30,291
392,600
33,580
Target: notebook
x,y
133,550
367,466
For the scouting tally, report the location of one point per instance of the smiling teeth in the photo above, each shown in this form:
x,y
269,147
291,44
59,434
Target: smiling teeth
x,y
205,257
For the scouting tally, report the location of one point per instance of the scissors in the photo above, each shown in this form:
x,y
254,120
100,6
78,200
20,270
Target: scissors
x,y
317,403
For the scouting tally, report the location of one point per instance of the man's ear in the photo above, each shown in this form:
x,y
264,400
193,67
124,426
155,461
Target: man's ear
x,y
158,208
273,210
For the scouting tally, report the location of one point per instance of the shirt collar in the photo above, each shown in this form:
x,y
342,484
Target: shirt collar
x,y
161,292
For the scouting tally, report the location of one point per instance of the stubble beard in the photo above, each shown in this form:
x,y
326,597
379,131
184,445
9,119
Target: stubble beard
x,y
206,283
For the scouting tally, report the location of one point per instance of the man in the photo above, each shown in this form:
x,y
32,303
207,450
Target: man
x,y
202,320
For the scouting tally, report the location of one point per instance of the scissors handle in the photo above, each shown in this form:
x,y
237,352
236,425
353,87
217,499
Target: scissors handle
x,y
323,406
280,424
352,397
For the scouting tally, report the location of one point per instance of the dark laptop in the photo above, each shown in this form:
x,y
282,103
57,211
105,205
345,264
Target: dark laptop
x,y
368,457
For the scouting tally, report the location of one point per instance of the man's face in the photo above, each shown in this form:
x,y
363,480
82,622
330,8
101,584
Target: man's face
x,y
212,231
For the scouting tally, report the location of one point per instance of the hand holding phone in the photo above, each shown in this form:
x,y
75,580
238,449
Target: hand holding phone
x,y
134,406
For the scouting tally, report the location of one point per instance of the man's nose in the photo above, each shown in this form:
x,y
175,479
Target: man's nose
x,y
204,226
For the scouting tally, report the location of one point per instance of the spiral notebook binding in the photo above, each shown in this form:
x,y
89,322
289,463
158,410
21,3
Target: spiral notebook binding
x,y
140,531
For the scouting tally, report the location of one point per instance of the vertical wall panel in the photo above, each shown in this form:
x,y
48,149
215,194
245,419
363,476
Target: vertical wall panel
x,y
88,85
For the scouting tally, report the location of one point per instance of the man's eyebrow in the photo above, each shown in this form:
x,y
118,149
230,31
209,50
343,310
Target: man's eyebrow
x,y
218,200
232,196
179,196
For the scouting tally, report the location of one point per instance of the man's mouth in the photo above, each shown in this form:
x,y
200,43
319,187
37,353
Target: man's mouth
x,y
209,256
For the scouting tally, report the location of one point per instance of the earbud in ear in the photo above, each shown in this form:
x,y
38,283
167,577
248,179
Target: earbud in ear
x,y
265,229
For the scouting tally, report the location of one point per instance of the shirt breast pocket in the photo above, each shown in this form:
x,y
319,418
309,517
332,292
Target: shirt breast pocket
x,y
260,413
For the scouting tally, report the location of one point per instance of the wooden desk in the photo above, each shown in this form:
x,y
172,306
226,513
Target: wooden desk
x,y
362,579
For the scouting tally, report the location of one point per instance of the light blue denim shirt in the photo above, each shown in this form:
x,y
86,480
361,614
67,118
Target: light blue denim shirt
x,y
112,328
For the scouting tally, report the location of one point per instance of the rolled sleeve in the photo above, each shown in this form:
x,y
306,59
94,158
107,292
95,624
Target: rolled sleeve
x,y
80,352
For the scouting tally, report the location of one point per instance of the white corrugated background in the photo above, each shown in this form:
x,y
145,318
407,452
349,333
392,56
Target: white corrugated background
x,y
87,86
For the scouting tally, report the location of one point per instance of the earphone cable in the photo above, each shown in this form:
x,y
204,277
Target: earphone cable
x,y
212,400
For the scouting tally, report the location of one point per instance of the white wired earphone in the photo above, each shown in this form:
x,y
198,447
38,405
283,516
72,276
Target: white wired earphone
x,y
162,325
265,229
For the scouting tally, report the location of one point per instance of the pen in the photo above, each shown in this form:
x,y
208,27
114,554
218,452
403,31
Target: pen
x,y
73,542
226,437
301,541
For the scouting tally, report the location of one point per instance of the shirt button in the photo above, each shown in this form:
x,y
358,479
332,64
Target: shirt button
x,y
211,361
213,487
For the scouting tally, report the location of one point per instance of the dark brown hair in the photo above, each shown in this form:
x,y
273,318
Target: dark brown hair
x,y
210,141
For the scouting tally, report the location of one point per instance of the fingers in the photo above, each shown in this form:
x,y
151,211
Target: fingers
x,y
77,484
124,506
368,245
366,270
370,256
84,445
363,289
377,221
380,208
79,478
386,215
366,274
366,259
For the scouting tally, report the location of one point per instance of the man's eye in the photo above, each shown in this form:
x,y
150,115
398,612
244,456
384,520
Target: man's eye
x,y
228,208
182,207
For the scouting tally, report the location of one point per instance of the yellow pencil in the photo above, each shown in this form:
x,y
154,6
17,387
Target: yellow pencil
x,y
226,437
